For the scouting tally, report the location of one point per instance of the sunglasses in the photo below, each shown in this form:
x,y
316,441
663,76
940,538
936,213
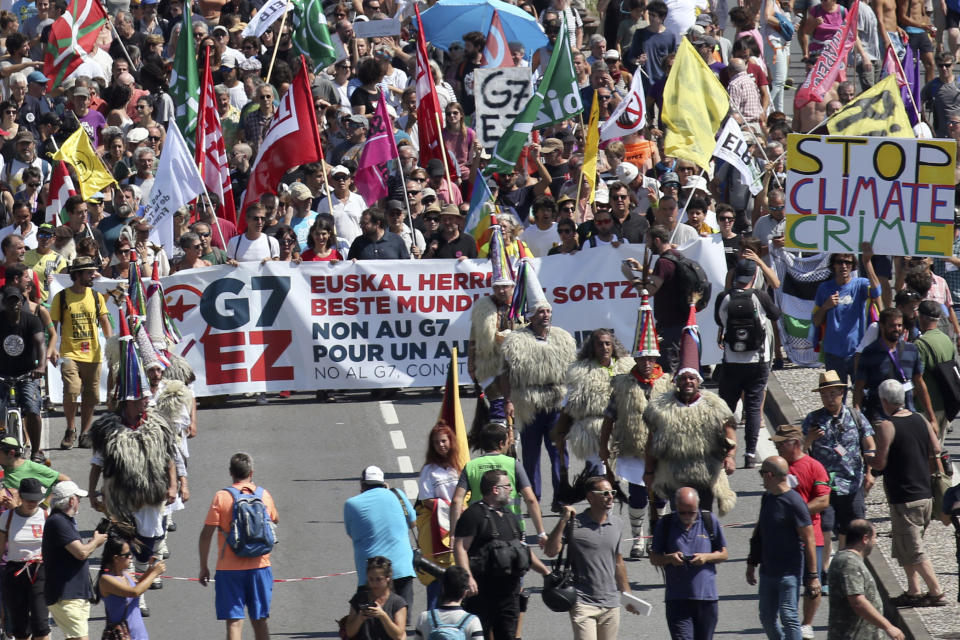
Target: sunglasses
x,y
256,218
608,493
621,196
43,234
153,138
780,208
945,66
196,246
204,235
287,241
432,218
413,193
726,219
849,263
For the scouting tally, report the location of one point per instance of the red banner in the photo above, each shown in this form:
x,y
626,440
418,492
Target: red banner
x,y
832,60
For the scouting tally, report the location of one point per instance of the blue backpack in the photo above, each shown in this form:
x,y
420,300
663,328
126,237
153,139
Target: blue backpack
x,y
447,631
251,530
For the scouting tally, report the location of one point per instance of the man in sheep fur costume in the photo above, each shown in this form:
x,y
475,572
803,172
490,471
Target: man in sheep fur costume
x,y
536,359
490,322
692,434
623,435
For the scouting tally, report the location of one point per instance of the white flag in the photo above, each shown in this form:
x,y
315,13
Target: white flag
x,y
269,13
630,115
733,149
178,182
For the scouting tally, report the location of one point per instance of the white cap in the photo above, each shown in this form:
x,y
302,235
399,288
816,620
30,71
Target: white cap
x,y
697,183
66,489
602,196
627,172
372,475
611,54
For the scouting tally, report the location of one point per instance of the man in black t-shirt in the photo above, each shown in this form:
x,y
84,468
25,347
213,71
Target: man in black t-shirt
x,y
450,242
67,587
24,351
495,599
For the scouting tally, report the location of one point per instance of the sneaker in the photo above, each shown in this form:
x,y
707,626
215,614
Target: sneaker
x,y
806,632
156,584
145,611
38,456
262,399
323,396
171,526
69,437
639,549
85,441
750,460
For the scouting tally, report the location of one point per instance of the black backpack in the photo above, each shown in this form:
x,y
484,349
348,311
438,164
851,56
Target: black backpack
x,y
744,327
691,278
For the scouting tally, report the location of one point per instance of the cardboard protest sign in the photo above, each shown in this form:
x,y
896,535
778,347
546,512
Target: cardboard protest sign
x,y
896,193
501,94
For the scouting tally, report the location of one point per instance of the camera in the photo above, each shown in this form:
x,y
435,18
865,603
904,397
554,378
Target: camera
x,y
103,526
427,566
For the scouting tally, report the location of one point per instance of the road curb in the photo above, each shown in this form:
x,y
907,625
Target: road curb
x,y
780,409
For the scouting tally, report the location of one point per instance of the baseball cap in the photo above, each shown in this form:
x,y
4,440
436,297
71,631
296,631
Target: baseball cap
x,y
220,27
704,19
668,178
66,489
81,91
627,172
435,168
427,193
611,54
137,135
550,145
339,170
745,271
23,135
372,475
38,77
31,489
45,229
10,442
300,191
602,196
359,119
787,431
12,292
394,205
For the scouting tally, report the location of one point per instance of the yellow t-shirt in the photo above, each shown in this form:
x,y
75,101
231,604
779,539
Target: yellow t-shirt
x,y
39,263
80,328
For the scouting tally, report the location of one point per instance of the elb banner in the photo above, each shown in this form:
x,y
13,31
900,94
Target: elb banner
x,y
896,193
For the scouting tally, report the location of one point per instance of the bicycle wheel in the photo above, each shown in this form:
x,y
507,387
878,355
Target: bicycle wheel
x,y
15,425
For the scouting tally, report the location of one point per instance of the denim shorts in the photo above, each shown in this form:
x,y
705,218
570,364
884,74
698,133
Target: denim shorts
x,y
28,396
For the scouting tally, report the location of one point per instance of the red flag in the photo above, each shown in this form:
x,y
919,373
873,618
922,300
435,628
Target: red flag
x,y
72,37
429,115
496,53
892,67
291,140
61,188
373,169
210,152
832,60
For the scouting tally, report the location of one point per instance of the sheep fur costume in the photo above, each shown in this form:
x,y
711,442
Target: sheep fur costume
x,y
136,461
688,442
487,337
589,387
538,371
628,439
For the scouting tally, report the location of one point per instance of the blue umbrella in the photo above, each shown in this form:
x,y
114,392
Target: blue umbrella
x,y
447,21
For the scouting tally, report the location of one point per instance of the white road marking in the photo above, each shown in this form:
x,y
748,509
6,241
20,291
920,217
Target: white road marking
x,y
411,489
396,437
404,463
389,413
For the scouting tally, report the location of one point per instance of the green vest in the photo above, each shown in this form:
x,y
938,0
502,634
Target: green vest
x,y
479,466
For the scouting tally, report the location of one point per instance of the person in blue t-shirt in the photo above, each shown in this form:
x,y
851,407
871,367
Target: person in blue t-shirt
x,y
840,306
378,521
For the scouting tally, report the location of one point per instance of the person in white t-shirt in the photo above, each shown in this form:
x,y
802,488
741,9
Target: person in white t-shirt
x,y
252,245
542,236
347,205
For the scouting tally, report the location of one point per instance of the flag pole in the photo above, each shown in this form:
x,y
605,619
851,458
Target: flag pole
x,y
443,150
276,45
913,100
116,35
580,181
687,204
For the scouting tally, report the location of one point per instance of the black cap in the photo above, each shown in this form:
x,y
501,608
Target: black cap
x,y
435,168
745,271
12,292
930,309
31,489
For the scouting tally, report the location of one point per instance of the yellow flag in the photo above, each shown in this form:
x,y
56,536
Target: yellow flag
x,y
593,146
694,106
451,413
878,111
91,172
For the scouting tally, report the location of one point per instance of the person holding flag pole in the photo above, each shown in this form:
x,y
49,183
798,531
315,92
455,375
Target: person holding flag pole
x,y
276,45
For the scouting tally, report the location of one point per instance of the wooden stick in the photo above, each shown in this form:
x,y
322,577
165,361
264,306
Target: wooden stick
x,y
276,45
443,150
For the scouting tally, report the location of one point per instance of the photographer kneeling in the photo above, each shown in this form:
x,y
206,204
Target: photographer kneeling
x,y
489,544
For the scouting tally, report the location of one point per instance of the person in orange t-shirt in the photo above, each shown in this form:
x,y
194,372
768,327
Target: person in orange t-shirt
x,y
240,582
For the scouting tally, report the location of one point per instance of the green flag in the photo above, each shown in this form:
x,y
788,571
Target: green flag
x,y
185,81
557,98
311,35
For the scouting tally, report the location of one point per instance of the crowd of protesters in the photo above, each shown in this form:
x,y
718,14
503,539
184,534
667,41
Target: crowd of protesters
x,y
882,397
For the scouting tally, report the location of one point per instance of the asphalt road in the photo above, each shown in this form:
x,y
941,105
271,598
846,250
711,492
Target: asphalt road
x,y
309,456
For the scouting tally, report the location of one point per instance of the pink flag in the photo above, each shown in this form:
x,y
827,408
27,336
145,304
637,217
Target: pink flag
x,y
373,170
496,53
832,60
891,67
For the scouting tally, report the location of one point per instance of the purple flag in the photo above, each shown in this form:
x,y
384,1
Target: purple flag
x,y
911,71
373,171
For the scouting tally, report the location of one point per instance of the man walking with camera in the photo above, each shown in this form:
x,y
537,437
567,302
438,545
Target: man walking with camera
x,y
593,544
489,544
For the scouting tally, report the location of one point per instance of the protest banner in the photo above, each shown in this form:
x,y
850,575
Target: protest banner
x,y
378,324
896,193
733,149
502,93
376,28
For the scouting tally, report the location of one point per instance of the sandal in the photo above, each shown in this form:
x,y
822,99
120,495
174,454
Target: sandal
x,y
905,600
930,600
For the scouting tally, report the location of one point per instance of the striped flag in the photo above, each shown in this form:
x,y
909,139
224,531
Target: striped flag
x,y
61,188
210,154
429,115
800,278
185,80
72,37
311,35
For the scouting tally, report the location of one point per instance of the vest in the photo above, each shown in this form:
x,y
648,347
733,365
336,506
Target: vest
x,y
479,466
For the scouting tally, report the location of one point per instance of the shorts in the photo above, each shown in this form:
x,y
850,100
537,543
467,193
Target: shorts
x,y
920,42
842,511
28,396
953,19
250,588
24,602
909,521
81,377
71,616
